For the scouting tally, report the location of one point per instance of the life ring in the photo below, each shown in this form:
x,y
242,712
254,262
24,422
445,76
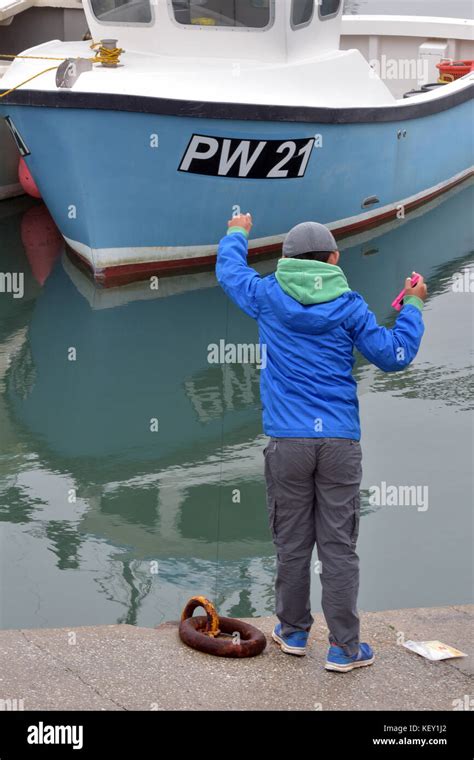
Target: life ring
x,y
220,636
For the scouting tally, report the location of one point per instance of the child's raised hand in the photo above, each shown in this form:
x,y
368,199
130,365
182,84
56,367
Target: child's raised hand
x,y
242,220
420,290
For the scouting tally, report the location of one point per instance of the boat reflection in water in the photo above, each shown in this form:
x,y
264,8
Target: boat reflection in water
x,y
42,241
135,460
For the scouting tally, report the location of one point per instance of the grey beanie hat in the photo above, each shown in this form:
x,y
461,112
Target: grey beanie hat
x,y
308,237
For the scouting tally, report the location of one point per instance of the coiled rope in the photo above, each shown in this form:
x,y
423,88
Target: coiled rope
x,y
106,56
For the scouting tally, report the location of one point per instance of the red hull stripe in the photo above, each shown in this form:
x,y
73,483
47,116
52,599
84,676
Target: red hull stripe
x,y
116,275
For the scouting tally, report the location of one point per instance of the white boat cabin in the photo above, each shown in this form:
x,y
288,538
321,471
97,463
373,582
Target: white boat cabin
x,y
282,51
268,30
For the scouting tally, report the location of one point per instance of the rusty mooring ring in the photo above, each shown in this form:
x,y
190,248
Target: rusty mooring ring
x,y
202,632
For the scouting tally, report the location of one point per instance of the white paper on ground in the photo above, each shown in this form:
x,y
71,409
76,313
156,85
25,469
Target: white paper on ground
x,y
433,650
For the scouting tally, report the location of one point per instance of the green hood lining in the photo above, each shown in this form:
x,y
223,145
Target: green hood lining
x,y
311,282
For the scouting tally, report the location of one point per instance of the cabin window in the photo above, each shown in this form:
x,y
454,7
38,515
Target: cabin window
x,y
329,8
246,14
302,12
122,11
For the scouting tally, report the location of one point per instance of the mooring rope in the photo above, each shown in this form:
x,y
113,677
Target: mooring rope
x,y
106,56
30,79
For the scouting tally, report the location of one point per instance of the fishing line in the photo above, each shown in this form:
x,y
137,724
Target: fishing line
x,y
219,501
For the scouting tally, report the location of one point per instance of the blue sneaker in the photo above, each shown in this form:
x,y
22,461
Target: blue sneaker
x,y
338,660
294,643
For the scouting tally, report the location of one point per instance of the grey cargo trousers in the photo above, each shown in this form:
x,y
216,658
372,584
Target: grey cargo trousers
x,y
313,498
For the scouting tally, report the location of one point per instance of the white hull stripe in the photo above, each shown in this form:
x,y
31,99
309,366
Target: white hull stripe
x,y
102,258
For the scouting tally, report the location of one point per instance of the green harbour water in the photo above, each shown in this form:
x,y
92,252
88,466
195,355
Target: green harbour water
x,y
104,519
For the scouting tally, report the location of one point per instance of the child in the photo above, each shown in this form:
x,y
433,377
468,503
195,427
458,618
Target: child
x,y
310,321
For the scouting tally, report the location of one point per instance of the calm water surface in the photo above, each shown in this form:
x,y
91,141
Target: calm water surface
x,y
104,521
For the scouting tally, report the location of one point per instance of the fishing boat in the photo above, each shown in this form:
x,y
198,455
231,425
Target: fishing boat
x,y
24,23
194,110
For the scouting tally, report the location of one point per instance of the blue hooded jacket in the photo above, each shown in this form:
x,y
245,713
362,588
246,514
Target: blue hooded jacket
x,y
307,388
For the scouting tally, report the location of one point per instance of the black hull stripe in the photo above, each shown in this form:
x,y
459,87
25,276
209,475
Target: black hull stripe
x,y
234,111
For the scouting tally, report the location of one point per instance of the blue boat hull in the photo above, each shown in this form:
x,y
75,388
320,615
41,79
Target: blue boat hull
x,y
115,185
